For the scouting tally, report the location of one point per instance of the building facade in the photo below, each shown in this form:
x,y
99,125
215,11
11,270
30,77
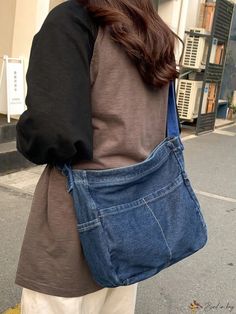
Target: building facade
x,y
21,19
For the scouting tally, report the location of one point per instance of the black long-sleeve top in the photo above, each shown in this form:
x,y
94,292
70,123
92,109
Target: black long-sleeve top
x,y
57,125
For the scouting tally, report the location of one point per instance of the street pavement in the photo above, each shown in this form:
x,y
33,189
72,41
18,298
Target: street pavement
x,y
202,283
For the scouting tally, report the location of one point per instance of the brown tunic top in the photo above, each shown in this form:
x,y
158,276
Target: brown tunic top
x,y
129,120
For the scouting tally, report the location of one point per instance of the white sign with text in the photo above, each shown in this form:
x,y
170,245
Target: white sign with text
x,y
13,70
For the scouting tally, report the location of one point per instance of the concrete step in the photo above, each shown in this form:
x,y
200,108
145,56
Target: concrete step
x,y
10,159
7,133
7,130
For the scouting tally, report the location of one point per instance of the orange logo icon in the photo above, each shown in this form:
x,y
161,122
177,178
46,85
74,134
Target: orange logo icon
x,y
194,306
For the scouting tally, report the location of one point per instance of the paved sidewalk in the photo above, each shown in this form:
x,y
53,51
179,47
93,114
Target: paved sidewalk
x,y
22,181
209,276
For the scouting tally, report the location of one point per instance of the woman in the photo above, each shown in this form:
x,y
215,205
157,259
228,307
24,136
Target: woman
x,y
97,95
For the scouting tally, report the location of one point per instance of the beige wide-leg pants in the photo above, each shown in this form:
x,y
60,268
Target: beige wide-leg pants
x,y
119,300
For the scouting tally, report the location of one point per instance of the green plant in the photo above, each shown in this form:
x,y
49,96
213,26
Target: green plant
x,y
233,106
230,103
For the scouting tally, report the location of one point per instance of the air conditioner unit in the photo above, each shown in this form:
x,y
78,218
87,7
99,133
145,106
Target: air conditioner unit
x,y
188,99
195,49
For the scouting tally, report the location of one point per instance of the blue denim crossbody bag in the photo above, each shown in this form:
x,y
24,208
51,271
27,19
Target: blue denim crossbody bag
x,y
137,220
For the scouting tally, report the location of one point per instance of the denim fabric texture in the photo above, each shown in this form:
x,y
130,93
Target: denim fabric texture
x,y
137,220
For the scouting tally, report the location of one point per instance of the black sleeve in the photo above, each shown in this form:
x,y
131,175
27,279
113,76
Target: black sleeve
x,y
57,126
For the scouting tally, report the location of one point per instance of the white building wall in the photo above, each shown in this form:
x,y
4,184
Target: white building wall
x,y
175,14
7,20
20,20
193,13
169,11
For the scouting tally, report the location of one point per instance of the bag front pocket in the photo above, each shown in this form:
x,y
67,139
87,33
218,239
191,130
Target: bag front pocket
x,y
136,241
153,233
181,220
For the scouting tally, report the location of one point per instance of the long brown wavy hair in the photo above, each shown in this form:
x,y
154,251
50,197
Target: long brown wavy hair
x,y
137,27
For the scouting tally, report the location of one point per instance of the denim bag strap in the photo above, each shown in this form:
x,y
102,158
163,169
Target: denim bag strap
x,y
172,114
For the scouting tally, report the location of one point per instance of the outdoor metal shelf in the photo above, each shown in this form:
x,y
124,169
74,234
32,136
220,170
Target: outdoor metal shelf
x,y
213,72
